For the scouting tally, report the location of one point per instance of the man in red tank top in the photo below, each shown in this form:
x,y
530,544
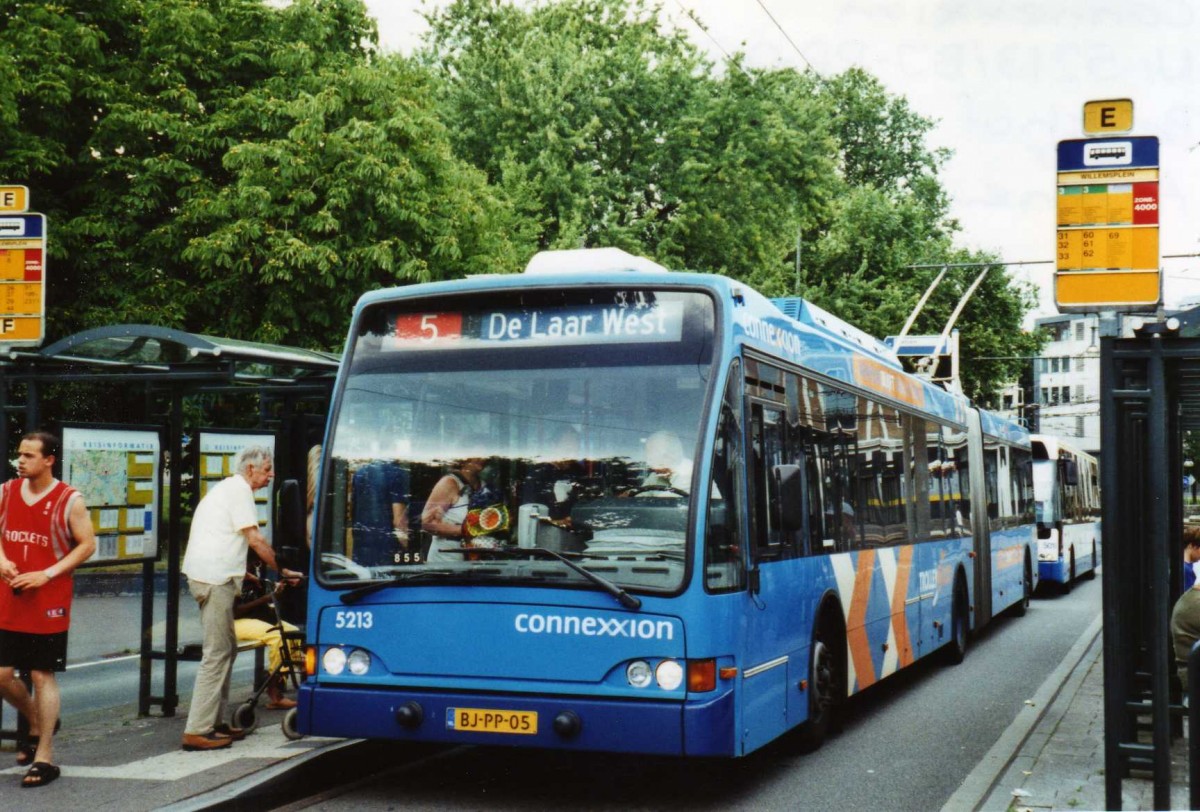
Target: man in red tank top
x,y
45,533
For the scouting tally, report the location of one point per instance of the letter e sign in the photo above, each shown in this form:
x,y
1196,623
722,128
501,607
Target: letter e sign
x,y
1109,116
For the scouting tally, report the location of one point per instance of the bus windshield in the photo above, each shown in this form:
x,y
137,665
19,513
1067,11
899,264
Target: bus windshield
x,y
1047,507
473,429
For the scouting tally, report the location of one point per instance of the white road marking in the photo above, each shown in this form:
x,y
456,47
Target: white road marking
x,y
178,764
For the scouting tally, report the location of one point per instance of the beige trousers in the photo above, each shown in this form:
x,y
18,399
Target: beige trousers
x,y
210,697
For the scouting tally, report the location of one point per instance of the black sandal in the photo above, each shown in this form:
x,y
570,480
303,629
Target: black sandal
x,y
40,774
28,749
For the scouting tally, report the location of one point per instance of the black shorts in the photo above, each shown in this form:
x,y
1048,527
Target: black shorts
x,y
33,652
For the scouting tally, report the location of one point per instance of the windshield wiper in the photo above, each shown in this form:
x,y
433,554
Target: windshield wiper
x,y
358,593
623,597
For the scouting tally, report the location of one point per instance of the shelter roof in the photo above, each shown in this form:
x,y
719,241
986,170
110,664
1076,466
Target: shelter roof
x,y
149,348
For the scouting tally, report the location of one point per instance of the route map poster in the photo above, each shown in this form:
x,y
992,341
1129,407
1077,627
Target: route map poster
x,y
117,472
217,453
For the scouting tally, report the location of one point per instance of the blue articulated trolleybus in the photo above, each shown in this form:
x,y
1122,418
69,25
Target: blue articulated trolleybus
x,y
692,518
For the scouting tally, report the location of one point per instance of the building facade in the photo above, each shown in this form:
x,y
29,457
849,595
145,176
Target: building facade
x,y
1066,380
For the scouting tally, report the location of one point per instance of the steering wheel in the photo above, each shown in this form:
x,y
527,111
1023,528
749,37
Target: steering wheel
x,y
659,489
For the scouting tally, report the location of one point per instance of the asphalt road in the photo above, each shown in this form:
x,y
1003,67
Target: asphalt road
x,y
907,744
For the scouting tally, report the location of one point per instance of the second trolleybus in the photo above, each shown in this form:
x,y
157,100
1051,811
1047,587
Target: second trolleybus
x,y
1066,486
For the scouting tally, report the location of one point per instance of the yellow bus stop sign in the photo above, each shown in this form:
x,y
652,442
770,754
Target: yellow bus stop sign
x,y
1107,215
14,199
1108,117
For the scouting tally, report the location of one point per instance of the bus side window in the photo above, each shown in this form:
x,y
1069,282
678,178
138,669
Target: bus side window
x,y
767,451
724,559
814,467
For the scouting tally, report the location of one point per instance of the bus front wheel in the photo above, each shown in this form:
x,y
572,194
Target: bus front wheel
x,y
825,691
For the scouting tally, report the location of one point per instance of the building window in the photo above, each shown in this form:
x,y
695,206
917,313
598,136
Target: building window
x,y
1079,392
1066,394
1079,426
1079,330
1054,365
1053,395
1078,364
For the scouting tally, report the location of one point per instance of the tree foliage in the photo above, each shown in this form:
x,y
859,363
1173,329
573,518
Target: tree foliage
x,y
610,128
232,166
249,168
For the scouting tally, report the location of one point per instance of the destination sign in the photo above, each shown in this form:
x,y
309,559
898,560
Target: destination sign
x,y
649,322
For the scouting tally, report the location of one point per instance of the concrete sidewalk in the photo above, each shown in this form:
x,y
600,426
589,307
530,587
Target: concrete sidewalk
x,y
112,759
1052,756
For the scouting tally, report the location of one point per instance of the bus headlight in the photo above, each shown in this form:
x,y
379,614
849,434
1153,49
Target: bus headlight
x,y
334,661
639,674
358,662
669,675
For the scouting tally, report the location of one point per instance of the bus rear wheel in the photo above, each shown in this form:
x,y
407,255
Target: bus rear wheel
x,y
1091,574
1070,580
825,691
956,651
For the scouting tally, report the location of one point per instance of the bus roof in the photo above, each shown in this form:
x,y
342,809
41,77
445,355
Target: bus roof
x,y
1049,447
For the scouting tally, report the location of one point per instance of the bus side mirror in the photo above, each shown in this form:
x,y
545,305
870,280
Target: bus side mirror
x,y
290,538
791,497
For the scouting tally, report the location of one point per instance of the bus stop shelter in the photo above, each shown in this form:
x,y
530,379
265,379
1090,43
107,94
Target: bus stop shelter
x,y
1150,396
167,378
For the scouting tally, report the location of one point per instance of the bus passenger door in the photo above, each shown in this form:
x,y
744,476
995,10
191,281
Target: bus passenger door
x,y
770,621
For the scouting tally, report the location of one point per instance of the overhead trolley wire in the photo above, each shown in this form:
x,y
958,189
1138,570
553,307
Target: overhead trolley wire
x,y
691,15
795,47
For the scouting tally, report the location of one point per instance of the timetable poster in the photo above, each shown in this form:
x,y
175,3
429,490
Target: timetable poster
x,y
117,471
218,450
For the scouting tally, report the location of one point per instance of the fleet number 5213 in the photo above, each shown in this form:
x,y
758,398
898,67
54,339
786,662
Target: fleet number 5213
x,y
353,619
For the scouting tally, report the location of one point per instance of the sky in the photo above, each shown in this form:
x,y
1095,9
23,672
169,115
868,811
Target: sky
x,y
1005,82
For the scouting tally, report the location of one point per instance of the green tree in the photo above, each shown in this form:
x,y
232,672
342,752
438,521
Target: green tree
x,y
607,129
604,126
232,166
890,216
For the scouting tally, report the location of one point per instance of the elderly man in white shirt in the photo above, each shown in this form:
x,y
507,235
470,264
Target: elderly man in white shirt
x,y
224,526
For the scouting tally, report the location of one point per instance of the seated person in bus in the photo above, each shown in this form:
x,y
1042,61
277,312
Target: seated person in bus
x,y
254,619
555,483
669,468
445,512
379,513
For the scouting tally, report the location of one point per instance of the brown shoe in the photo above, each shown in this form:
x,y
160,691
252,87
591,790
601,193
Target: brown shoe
x,y
207,741
282,703
234,733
